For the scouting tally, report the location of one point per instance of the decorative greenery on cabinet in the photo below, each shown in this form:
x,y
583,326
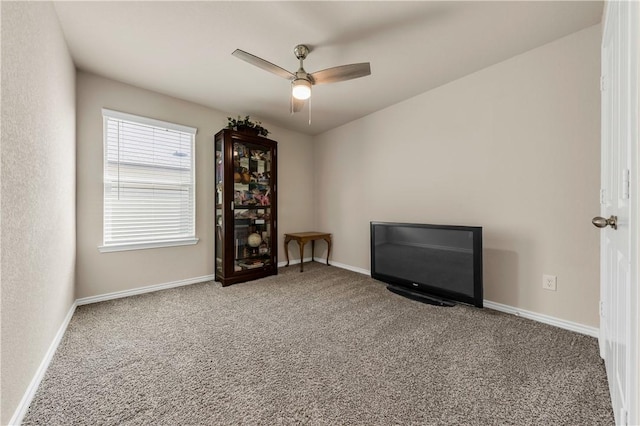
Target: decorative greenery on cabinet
x,y
245,125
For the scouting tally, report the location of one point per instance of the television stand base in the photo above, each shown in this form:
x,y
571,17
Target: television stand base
x,y
420,297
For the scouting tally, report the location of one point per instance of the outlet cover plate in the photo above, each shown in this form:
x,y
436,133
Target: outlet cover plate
x,y
549,282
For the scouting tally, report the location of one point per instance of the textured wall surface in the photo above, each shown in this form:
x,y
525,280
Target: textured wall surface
x,y
101,273
38,191
514,148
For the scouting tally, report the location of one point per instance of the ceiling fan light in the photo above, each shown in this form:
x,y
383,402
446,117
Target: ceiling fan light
x,y
301,89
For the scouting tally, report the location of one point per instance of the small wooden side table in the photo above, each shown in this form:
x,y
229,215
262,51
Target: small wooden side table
x,y
303,238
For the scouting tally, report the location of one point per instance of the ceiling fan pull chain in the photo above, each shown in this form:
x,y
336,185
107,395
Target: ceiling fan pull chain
x,y
309,111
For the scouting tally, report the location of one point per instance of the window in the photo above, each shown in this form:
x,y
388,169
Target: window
x,y
149,183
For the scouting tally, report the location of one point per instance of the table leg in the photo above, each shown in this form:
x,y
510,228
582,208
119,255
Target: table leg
x,y
301,244
286,249
328,240
313,249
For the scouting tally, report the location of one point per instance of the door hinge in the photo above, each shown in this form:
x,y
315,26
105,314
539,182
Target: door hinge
x,y
602,309
603,194
602,83
625,184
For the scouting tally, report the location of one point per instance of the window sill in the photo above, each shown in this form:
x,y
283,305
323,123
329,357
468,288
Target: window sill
x,y
141,246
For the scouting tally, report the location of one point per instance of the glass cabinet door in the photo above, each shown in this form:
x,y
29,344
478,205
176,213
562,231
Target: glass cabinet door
x,y
219,217
251,205
245,207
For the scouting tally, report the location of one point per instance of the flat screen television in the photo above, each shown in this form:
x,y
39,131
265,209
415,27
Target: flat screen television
x,y
437,264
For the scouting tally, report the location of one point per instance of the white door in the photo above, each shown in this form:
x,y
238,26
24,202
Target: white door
x,y
619,301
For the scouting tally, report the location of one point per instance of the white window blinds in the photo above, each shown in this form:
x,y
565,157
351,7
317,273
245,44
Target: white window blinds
x,y
149,187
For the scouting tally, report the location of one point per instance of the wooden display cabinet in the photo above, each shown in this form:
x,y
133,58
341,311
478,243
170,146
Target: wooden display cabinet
x,y
246,207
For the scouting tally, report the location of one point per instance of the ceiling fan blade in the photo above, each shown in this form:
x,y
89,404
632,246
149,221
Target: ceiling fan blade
x,y
341,73
296,104
261,63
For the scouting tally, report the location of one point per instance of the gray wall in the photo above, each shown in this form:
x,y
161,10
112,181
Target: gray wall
x,y
38,191
514,148
102,273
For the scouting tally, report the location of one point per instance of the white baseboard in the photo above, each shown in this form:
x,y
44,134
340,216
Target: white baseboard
x,y
293,262
141,290
323,261
23,406
349,267
545,319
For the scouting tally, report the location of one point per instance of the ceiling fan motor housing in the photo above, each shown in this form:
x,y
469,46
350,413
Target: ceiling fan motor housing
x,y
301,51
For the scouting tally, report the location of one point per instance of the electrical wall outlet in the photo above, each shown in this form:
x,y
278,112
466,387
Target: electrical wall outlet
x,y
549,282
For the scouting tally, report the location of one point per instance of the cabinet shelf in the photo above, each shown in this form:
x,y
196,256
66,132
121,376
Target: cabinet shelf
x,y
249,222
245,206
265,257
250,206
240,215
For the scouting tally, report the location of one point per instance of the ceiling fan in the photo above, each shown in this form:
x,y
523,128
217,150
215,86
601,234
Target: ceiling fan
x,y
301,81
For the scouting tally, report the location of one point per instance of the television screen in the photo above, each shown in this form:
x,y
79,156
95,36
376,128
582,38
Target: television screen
x,y
440,261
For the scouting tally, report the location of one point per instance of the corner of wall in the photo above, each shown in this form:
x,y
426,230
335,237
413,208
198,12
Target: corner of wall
x,y
38,198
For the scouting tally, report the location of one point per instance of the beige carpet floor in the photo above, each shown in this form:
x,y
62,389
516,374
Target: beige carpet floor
x,y
327,346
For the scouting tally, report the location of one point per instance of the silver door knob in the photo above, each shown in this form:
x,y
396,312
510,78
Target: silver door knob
x,y
601,222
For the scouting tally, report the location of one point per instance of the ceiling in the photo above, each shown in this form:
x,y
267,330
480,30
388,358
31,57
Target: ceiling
x,y
183,49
